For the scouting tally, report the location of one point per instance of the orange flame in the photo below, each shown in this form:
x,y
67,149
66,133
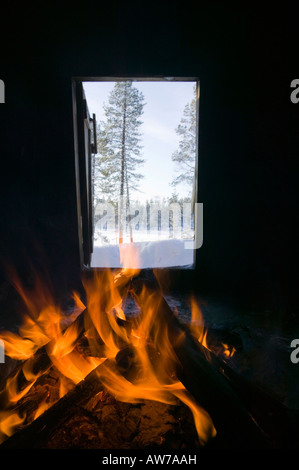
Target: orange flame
x,y
228,351
8,423
109,332
197,325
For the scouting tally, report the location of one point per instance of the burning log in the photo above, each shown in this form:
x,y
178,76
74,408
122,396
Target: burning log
x,y
278,424
26,372
40,429
203,379
57,351
77,421
151,357
39,363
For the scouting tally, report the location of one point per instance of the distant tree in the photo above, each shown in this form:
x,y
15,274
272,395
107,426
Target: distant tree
x,y
184,156
105,177
174,197
119,146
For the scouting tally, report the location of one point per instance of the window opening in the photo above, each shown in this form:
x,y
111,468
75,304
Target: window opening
x,y
144,169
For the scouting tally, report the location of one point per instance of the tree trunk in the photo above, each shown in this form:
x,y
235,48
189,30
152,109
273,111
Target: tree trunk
x,y
123,169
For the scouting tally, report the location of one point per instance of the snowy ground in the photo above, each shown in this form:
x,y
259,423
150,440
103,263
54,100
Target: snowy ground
x,y
151,250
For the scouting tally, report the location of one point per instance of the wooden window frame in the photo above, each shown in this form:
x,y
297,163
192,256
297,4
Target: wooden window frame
x,y
83,149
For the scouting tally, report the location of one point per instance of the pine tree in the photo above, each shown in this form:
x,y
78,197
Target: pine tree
x,y
104,170
119,146
184,157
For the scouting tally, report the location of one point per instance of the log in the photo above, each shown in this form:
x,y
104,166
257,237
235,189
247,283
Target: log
x,y
279,425
36,434
41,362
203,379
86,418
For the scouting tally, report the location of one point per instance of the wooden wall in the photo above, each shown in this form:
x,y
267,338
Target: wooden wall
x,y
248,133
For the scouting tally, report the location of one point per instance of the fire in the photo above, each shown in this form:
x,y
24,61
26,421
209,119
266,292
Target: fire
x,y
228,351
197,325
200,332
143,339
9,422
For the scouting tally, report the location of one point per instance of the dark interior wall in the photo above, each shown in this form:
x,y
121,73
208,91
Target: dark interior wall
x,y
248,140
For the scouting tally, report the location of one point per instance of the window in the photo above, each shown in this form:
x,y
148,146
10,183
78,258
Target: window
x,y
140,185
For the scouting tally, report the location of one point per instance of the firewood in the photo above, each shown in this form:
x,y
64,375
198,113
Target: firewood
x,y
36,434
203,379
279,424
90,417
40,362
200,376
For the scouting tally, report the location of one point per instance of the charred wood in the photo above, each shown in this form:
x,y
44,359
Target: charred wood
x,y
203,379
38,432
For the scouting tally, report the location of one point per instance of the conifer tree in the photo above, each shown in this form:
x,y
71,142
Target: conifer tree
x,y
119,143
184,157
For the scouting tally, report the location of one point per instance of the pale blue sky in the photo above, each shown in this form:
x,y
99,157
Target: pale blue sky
x,y
165,102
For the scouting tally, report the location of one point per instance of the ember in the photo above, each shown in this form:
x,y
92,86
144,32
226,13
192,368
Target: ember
x,y
55,352
119,371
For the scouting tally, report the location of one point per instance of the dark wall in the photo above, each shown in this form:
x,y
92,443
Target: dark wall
x,y
248,133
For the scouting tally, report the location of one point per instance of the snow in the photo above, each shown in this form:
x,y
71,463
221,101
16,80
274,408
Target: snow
x,y
152,252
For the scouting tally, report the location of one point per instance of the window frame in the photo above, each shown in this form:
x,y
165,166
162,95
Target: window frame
x,y
83,182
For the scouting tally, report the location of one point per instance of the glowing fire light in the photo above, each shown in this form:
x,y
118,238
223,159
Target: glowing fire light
x,y
227,351
108,332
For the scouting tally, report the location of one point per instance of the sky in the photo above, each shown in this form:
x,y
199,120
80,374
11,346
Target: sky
x,y
165,102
